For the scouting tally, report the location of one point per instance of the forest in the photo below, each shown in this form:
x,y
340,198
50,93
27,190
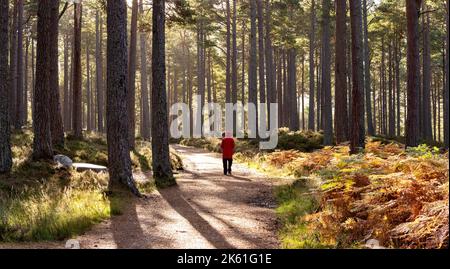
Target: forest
x,y
91,90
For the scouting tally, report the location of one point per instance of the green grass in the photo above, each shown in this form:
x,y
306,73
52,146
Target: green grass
x,y
294,202
39,201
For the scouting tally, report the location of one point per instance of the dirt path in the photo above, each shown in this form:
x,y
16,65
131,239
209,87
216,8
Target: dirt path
x,y
205,210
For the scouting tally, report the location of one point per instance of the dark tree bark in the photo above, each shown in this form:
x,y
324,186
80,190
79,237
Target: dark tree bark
x,y
426,88
132,75
56,122
162,171
5,146
326,75
270,65
446,86
144,84
357,126
367,78
66,104
119,161
99,71
25,82
303,92
234,73
13,66
76,80
19,109
279,87
340,112
88,89
252,76
311,114
261,60
229,55
292,88
412,121
391,114
47,32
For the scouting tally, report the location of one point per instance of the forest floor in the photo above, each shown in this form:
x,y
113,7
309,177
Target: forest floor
x,y
205,210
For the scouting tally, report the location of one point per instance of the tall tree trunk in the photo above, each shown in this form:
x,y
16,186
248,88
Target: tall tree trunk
x,y
270,65
303,92
19,103
340,112
234,73
326,75
66,103
242,72
56,121
25,82
160,137
99,71
144,85
311,67
76,80
252,76
446,86
280,86
47,32
33,64
5,146
397,81
292,88
391,114
119,161
357,130
229,56
88,89
261,60
131,93
13,66
427,133
367,79
412,121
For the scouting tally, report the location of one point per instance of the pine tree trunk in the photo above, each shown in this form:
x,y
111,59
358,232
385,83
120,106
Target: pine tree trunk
x,y
341,113
19,103
229,55
311,113
88,89
356,130
47,30
326,75
144,84
270,65
25,82
234,55
99,71
131,93
412,121
292,88
367,79
446,85
119,161
252,76
162,171
426,88
66,103
261,60
5,146
13,66
76,80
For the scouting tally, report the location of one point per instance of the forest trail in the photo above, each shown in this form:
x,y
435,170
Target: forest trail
x,y
205,210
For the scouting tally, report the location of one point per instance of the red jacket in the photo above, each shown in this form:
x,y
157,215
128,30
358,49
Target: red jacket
x,y
227,147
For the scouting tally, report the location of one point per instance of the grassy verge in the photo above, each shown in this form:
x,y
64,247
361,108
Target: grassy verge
x,y
39,201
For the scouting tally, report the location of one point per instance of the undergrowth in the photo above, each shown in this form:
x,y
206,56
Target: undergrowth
x,y
40,201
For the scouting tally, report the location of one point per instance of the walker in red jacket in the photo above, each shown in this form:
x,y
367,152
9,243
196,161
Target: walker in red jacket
x,y
227,147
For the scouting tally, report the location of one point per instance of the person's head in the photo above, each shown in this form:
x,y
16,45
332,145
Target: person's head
x,y
223,135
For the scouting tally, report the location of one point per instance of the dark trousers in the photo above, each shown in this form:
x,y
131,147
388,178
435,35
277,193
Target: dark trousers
x,y
227,166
